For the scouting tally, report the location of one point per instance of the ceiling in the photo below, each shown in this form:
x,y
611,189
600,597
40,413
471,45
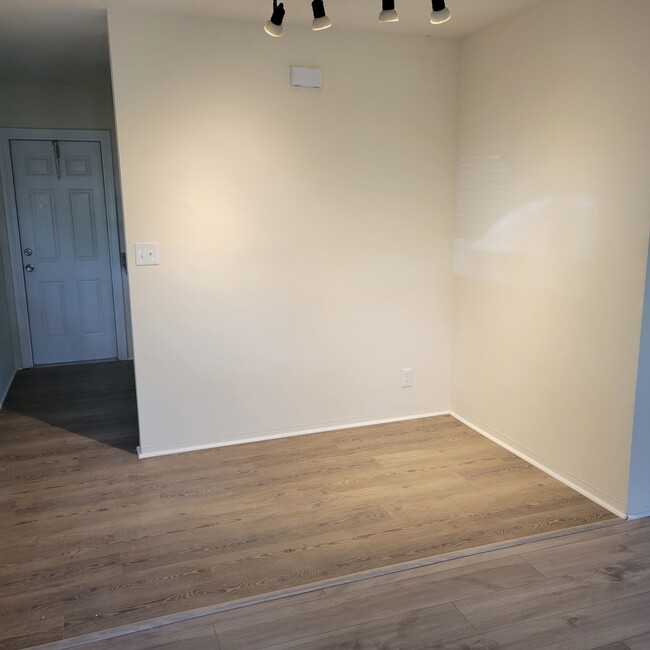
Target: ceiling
x,y
65,41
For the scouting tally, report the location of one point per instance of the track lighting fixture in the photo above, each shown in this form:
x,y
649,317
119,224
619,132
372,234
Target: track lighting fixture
x,y
274,26
388,13
439,13
321,21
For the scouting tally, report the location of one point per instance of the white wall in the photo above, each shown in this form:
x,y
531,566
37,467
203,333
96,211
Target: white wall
x,y
639,489
304,236
552,235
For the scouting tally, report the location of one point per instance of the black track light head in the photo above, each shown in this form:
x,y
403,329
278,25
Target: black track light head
x,y
321,21
274,26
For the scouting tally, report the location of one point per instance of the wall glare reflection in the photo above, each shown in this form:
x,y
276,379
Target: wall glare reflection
x,y
508,233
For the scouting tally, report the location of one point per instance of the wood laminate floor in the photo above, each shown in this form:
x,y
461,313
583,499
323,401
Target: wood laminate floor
x,y
583,591
92,538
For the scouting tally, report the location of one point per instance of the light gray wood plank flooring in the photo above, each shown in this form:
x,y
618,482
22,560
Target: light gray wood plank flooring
x,y
583,591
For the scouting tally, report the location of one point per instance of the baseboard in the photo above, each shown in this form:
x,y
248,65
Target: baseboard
x,y
638,515
5,389
165,451
570,481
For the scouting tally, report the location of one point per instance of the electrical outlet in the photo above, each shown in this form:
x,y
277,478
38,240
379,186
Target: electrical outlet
x,y
407,377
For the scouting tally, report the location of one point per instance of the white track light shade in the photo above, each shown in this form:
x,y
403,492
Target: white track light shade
x,y
439,17
439,13
321,21
388,13
273,30
388,16
274,26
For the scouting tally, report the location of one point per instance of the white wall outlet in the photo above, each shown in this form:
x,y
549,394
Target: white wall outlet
x,y
407,377
146,254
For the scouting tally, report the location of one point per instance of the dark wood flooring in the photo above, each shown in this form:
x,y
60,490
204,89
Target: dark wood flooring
x,y
92,538
95,400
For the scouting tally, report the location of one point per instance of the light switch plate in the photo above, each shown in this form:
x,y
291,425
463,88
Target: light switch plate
x,y
146,254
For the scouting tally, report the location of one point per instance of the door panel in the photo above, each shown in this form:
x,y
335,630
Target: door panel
x,y
66,256
90,298
44,226
53,309
83,226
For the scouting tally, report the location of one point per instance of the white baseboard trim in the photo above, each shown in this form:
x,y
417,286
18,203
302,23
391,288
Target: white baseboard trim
x,y
571,482
5,389
638,515
166,451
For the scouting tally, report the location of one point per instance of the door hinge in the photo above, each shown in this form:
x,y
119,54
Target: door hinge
x,y
123,262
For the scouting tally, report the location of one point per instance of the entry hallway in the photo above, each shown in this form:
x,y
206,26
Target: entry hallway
x,y
91,538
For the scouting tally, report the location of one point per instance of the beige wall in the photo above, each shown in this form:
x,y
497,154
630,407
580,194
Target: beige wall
x,y
552,235
304,236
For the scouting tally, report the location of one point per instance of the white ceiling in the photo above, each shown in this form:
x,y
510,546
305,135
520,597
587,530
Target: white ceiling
x,y
64,41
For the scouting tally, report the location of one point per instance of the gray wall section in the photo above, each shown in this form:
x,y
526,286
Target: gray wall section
x,y
639,486
8,365
49,106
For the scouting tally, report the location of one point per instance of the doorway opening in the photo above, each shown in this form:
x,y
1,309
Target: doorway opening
x,y
66,284
64,246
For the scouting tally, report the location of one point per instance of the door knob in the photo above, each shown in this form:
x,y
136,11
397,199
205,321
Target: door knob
x,y
29,268
28,252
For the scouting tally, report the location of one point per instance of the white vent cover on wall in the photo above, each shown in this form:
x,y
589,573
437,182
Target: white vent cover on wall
x,y
306,77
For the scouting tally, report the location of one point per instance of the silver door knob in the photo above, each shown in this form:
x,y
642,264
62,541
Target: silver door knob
x,y
28,252
29,268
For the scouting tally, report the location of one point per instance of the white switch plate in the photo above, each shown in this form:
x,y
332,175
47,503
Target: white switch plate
x,y
407,377
146,254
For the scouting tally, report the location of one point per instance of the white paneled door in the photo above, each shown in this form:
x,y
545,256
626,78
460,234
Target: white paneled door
x,y
60,200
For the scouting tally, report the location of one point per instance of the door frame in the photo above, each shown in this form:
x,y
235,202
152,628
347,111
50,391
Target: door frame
x,y
13,232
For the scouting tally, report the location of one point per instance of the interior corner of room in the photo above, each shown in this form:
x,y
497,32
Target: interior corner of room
x,y
474,209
